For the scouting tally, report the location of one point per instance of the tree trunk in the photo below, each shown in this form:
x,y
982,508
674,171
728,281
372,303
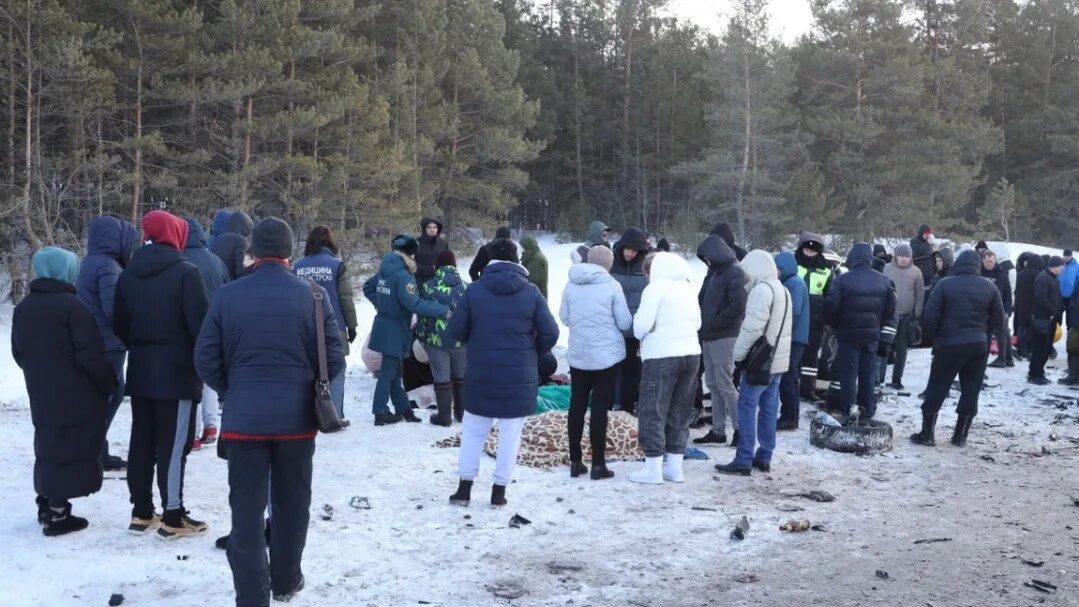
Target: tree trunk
x,y
247,152
13,78
100,168
577,115
627,91
136,175
739,202
28,132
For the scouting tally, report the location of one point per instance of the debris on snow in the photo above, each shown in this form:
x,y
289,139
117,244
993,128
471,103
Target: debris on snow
x,y
359,503
933,540
747,578
1041,586
517,521
507,589
116,599
882,574
560,567
816,496
796,526
327,512
739,531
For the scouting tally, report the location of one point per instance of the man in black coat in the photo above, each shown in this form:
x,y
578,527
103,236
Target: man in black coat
x,y
483,256
922,248
159,307
724,231
1029,266
1046,314
232,245
628,269
432,243
999,277
962,309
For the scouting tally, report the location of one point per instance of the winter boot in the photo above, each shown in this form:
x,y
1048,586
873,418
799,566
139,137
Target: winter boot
x,y
409,416
672,468
386,419
1073,372
999,363
62,522
601,472
176,525
113,463
444,402
42,509
463,495
498,496
458,399
962,427
576,469
926,437
711,437
284,597
651,474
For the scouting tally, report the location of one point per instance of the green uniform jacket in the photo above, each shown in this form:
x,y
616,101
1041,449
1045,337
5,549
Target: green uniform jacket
x,y
536,263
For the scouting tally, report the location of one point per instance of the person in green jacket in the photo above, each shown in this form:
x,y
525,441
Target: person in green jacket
x,y
536,263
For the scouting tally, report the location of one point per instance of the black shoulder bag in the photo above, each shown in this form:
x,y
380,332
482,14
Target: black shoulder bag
x,y
325,411
758,361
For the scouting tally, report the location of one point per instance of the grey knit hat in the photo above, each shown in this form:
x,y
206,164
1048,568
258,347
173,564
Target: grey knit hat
x,y
903,250
272,237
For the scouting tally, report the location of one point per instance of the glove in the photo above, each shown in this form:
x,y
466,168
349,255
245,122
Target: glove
x,y
883,348
351,334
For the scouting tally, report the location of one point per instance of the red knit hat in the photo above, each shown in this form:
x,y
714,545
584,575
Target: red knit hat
x,y
165,228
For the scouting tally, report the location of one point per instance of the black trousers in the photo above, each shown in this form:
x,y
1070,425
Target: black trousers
x,y
251,466
1040,345
810,361
162,432
630,369
596,387
968,361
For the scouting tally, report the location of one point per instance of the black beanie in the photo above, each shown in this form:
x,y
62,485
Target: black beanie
x,y
405,244
1067,252
502,232
981,245
1055,262
272,237
663,245
503,249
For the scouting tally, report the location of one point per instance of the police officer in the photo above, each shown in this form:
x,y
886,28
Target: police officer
x,y
814,270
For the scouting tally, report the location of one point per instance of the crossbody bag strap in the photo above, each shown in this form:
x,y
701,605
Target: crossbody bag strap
x,y
320,331
783,321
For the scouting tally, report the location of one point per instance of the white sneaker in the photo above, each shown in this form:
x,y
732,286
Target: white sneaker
x,y
672,468
651,474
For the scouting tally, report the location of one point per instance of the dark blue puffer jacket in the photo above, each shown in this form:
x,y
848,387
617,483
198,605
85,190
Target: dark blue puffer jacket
x,y
788,274
219,227
211,268
964,307
507,325
861,302
109,245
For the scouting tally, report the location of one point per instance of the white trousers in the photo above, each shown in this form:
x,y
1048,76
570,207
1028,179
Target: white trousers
x,y
474,431
211,409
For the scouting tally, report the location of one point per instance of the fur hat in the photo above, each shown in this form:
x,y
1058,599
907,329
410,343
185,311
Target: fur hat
x,y
503,249
445,258
405,244
272,237
601,256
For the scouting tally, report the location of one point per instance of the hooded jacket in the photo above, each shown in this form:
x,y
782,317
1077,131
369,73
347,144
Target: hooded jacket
x,y
395,296
109,245
219,226
594,238
1000,279
445,288
1048,306
769,312
56,342
669,317
483,255
211,268
814,271
723,295
427,255
723,230
631,275
595,312
535,262
964,307
1069,278
861,303
158,310
231,246
1030,265
788,274
922,253
506,325
881,258
909,288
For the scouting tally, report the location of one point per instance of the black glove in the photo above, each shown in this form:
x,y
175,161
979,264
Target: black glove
x,y
883,348
351,335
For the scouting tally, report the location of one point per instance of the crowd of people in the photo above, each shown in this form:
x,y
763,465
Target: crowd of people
x,y
229,324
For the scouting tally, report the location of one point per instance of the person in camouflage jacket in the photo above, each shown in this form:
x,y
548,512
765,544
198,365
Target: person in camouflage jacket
x,y
446,354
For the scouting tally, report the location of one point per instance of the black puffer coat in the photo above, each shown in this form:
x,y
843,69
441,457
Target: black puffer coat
x,y
964,307
231,246
999,277
1048,302
723,295
430,248
861,302
723,230
56,342
1030,265
922,253
631,275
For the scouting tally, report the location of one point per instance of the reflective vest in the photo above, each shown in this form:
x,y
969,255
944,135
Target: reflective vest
x,y
817,279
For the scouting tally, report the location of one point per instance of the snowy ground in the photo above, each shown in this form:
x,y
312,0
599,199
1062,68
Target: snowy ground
x,y
1005,498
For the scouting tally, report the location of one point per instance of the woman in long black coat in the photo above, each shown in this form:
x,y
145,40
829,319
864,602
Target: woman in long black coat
x,y
55,341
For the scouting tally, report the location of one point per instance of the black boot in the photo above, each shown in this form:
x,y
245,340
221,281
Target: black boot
x,y
498,495
42,509
409,416
711,437
999,363
926,437
962,427
1073,372
444,402
63,522
386,419
577,468
601,471
458,399
463,495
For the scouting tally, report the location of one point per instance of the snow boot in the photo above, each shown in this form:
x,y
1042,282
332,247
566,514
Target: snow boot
x,y
787,425
576,469
113,463
1073,372
651,474
672,468
498,496
444,402
458,399
62,522
284,597
42,509
999,363
962,427
926,437
600,472
463,495
711,437
409,416
1038,380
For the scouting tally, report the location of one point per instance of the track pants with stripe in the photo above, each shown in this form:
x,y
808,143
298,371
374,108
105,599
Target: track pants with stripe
x,y
162,432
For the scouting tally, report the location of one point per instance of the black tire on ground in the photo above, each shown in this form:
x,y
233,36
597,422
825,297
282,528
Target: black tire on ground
x,y
873,436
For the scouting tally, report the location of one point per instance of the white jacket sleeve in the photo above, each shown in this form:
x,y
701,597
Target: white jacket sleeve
x,y
563,310
622,317
758,311
645,320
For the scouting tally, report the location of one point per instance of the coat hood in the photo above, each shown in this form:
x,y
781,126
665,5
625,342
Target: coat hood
x,y
595,233
196,236
715,252
423,226
945,253
860,255
57,264
503,232
589,274
634,239
529,244
240,223
153,259
668,266
724,231
505,278
923,230
165,229
1031,260
393,262
759,267
968,263
113,237
786,264
221,222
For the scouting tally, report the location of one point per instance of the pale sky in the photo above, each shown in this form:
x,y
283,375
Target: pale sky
x,y
790,18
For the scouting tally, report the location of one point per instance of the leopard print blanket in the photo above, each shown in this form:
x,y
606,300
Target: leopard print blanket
x,y
545,440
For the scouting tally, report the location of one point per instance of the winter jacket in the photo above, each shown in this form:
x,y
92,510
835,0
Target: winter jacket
x,y
395,296
818,277
220,226
861,303
631,275
999,277
330,273
723,295
944,254
506,325
159,306
1048,302
445,288
593,239
1030,265
535,262
922,254
427,255
259,345
769,312
211,268
723,230
110,243
1069,278
788,274
231,246
909,289
56,342
669,317
964,307
483,256
595,312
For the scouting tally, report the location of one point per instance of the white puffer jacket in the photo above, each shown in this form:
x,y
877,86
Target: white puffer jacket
x,y
595,311
768,299
669,316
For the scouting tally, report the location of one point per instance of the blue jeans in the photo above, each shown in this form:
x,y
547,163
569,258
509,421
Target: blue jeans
x,y
757,410
389,387
116,359
337,393
857,363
